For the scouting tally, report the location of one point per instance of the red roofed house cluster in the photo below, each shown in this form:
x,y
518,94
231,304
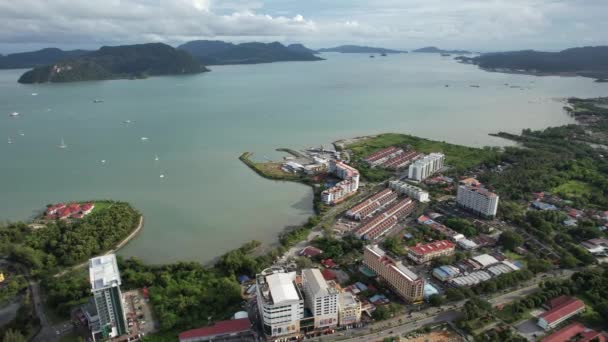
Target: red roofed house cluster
x,y
561,308
62,211
427,252
391,158
582,334
232,330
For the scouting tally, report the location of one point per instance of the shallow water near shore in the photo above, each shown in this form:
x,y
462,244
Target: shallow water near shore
x,y
209,202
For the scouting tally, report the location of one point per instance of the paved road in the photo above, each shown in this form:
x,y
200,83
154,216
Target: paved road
x,y
48,332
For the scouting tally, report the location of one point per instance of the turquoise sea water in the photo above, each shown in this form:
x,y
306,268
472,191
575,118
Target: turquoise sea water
x,y
208,202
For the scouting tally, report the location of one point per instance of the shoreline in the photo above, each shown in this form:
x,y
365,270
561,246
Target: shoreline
x,y
120,245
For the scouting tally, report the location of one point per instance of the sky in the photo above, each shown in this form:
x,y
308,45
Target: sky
x,y
478,25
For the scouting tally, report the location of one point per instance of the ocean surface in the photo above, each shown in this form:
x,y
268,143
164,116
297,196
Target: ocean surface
x,y
208,202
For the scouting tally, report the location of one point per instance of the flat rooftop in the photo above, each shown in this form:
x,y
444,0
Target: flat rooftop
x,y
282,288
103,272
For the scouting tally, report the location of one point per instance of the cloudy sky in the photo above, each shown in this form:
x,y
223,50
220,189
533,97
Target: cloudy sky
x,y
484,25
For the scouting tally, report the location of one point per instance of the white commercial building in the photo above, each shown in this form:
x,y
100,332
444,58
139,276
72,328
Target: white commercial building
x,y
409,190
321,298
477,199
105,285
280,302
425,167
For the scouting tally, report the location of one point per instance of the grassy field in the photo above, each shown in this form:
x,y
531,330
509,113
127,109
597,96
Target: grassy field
x,y
268,169
99,206
573,189
457,156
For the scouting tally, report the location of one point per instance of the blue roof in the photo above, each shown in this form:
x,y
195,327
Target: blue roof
x,y
361,286
243,278
429,290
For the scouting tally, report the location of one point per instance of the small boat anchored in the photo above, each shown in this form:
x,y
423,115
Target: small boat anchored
x,y
62,146
144,139
156,157
14,114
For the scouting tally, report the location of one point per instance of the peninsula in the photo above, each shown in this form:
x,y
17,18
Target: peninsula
x,y
32,59
433,49
589,61
216,52
117,62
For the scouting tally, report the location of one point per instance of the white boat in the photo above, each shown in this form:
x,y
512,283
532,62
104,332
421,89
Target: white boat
x,y
155,157
34,94
63,145
127,122
162,175
10,141
21,133
103,161
143,138
14,114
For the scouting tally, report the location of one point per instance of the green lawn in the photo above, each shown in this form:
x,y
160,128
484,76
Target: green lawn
x,y
573,189
100,206
460,157
515,256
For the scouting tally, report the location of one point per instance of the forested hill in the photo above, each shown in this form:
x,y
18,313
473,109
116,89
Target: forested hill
x,y
584,61
32,59
218,52
359,49
116,62
433,49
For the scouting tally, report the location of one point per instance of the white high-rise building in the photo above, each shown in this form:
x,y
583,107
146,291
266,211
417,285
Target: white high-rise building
x,y
425,167
321,298
477,199
409,190
346,187
280,303
105,285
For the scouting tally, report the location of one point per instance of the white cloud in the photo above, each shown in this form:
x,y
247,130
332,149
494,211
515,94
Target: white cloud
x,y
475,24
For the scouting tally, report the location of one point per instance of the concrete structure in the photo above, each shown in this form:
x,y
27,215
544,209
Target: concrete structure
x,y
321,298
401,279
371,204
467,244
426,252
471,279
414,192
425,167
105,285
596,246
349,309
348,186
477,199
561,308
385,220
280,303
232,330
446,272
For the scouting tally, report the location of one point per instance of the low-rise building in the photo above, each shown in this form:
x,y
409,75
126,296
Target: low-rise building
x,y
385,220
401,279
382,155
231,330
425,167
414,192
371,204
596,246
422,253
349,309
446,272
576,332
477,199
467,244
321,298
280,303
561,308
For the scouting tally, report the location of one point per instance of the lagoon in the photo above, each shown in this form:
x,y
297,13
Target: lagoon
x,y
208,202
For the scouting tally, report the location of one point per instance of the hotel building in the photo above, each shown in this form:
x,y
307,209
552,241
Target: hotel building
x,y
477,199
322,298
401,279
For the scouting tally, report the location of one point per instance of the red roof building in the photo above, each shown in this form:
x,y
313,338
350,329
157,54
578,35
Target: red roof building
x,y
574,329
310,252
427,252
236,329
328,274
562,308
87,208
64,213
329,263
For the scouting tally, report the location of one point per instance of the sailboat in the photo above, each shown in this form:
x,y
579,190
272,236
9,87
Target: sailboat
x,y
63,145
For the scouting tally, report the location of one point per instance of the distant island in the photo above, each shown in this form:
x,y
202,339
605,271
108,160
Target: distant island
x,y
582,61
359,49
33,59
433,49
117,62
215,52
